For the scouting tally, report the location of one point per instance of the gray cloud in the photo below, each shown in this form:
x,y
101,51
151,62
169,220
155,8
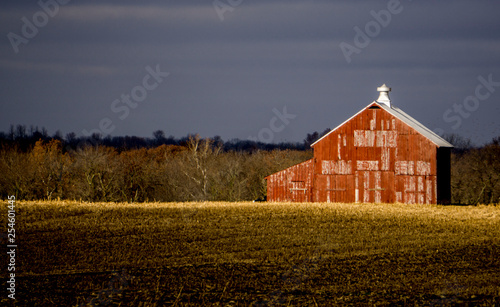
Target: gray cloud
x,y
226,77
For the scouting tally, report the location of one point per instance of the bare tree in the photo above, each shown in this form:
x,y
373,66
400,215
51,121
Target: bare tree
x,y
96,174
197,165
17,174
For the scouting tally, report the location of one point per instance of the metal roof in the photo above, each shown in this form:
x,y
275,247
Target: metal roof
x,y
415,124
407,119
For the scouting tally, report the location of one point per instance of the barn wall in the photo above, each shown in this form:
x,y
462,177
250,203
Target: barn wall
x,y
292,184
375,157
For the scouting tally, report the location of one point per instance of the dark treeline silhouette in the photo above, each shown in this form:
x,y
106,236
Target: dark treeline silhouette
x,y
313,137
475,171
35,165
25,138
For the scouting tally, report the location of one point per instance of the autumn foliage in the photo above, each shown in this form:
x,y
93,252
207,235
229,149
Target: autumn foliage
x,y
197,171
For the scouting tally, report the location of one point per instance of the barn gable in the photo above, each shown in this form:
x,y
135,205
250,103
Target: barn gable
x,y
404,118
380,154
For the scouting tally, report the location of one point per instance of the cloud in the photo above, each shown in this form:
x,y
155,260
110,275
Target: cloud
x,y
264,54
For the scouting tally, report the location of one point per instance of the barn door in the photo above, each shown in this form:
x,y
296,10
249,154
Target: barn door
x,y
334,188
374,186
300,192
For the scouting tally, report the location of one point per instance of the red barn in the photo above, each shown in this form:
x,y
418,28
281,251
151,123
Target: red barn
x,y
381,154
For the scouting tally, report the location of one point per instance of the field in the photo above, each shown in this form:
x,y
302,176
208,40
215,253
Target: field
x,y
259,254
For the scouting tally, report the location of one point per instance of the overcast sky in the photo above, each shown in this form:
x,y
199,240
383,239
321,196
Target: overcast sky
x,y
270,70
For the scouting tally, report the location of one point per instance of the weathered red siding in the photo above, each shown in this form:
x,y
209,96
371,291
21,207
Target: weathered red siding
x,y
373,157
292,184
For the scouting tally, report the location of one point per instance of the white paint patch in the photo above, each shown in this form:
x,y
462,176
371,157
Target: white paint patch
x,y
367,165
366,194
378,180
410,198
408,168
399,197
429,191
411,168
298,186
386,158
378,188
328,188
373,122
404,167
423,168
338,147
367,138
421,198
421,184
364,138
341,167
401,167
410,185
387,139
356,185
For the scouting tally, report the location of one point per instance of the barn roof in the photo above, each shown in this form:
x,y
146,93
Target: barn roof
x,y
407,119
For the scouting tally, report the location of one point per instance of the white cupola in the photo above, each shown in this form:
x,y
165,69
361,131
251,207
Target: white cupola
x,y
384,95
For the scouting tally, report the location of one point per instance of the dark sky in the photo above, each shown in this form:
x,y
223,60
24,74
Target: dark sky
x,y
235,66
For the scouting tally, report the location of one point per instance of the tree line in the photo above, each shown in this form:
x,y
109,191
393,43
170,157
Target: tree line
x,y
136,169
24,138
198,170
475,172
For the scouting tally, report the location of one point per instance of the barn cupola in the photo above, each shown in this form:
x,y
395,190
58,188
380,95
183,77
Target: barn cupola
x,y
384,95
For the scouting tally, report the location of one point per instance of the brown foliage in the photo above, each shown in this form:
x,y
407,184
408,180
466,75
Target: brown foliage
x,y
16,173
49,169
475,176
198,171
95,174
39,174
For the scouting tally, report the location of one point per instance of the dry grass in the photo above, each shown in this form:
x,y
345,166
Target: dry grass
x,y
218,253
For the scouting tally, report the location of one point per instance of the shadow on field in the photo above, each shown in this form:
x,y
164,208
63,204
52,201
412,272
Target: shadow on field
x,y
466,276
